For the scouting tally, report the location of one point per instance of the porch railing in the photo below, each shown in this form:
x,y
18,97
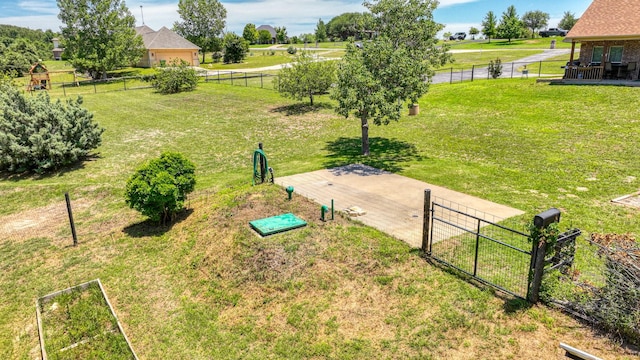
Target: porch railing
x,y
584,72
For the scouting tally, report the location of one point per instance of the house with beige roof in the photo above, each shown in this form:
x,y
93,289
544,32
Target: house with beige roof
x,y
609,37
164,45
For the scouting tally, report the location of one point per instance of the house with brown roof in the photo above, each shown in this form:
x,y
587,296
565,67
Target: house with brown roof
x,y
609,36
164,45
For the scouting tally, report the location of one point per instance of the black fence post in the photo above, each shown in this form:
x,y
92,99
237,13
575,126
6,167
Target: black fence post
x,y
475,260
473,72
261,85
73,226
426,218
540,69
512,66
451,77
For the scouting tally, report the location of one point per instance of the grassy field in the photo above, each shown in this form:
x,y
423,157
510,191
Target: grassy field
x,y
537,43
207,287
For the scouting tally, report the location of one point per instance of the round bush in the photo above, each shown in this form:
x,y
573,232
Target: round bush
x,y
39,135
159,188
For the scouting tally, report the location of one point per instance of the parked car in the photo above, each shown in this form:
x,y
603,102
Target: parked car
x,y
458,36
553,32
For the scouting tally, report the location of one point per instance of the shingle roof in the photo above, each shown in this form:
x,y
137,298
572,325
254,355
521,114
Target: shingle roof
x,y
269,28
608,19
163,39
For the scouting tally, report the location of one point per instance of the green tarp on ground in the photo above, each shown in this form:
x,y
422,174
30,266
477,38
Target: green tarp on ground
x,y
276,224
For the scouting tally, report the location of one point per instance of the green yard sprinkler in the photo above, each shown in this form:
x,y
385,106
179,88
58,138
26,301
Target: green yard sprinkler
x,y
323,210
289,190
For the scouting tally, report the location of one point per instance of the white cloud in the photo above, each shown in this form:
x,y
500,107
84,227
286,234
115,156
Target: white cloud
x,y
41,7
445,3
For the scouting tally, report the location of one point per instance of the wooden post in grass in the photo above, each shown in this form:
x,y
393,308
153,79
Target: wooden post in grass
x,y
538,253
425,220
73,226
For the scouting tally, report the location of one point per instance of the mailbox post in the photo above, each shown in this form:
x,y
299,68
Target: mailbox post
x,y
540,221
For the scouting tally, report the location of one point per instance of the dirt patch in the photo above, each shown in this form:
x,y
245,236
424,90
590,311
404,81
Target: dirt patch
x,y
45,221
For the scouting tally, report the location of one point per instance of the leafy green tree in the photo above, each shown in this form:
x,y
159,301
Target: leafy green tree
x,y
307,38
235,48
18,57
306,77
447,35
281,34
99,35
39,135
510,26
159,188
350,25
489,25
534,20
202,21
396,66
568,21
321,31
250,33
473,31
178,77
264,37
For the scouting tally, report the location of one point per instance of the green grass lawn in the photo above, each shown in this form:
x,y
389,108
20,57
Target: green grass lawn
x,y
482,58
207,287
537,43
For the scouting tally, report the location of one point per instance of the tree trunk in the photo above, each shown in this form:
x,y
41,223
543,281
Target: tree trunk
x,y
311,98
365,135
203,56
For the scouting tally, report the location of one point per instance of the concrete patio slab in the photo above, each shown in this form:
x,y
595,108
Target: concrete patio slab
x,y
392,203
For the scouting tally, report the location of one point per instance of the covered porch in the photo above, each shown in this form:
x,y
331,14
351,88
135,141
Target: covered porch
x,y
613,60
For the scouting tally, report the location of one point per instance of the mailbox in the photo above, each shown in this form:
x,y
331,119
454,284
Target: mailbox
x,y
545,218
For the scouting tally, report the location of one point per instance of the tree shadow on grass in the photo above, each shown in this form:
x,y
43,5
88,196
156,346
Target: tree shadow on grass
x,y
30,175
386,154
301,108
150,228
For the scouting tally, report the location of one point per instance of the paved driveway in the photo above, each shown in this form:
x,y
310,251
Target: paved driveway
x,y
393,203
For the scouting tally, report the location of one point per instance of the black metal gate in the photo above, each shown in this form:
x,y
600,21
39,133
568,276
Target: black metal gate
x,y
474,243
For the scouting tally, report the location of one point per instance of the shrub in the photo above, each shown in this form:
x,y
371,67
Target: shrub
x,y
178,77
159,188
292,50
495,68
39,135
235,48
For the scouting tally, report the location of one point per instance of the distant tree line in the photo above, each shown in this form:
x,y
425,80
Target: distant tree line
x,y
22,47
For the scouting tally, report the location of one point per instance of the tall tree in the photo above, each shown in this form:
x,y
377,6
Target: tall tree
x,y
535,20
395,67
306,77
473,31
350,25
281,34
250,33
568,20
489,25
99,35
321,31
264,37
202,21
510,25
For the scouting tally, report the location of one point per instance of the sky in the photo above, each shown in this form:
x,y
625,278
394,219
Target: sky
x,y
298,16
